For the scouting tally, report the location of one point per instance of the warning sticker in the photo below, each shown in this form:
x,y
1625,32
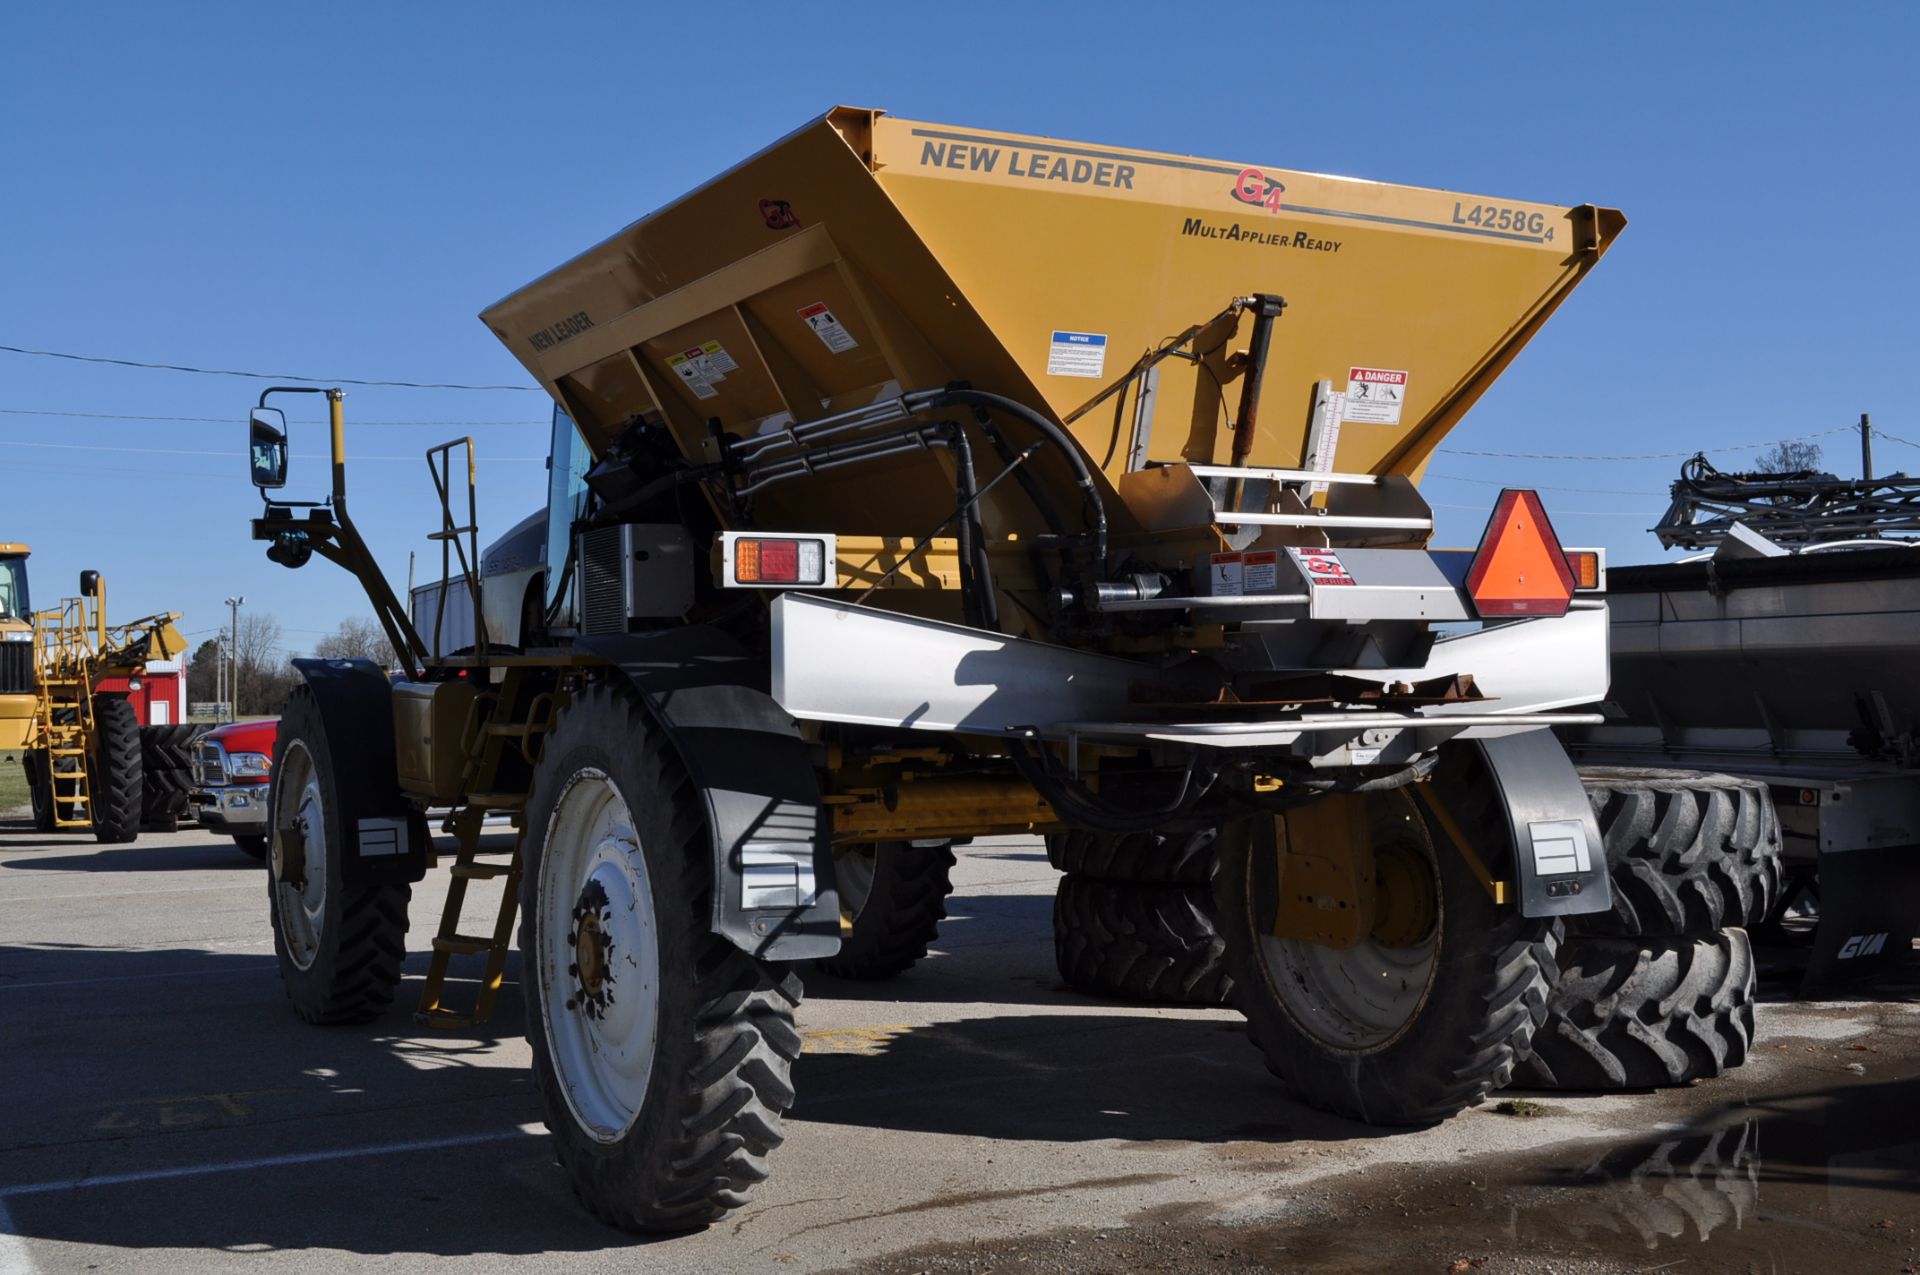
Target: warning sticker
x,y
702,366
1262,570
1322,566
1077,354
1374,396
1226,575
832,333
719,362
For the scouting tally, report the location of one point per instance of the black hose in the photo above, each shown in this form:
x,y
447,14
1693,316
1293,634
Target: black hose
x,y
1047,429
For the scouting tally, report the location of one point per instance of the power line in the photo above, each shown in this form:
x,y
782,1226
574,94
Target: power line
x,y
227,420
267,376
229,455
1571,513
1495,482
1893,438
1735,447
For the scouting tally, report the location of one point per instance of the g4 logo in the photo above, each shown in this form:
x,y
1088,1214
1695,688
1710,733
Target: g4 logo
x,y
1863,945
1256,188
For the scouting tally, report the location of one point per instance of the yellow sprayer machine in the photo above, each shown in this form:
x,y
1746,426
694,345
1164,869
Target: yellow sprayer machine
x,y
16,647
913,483
84,755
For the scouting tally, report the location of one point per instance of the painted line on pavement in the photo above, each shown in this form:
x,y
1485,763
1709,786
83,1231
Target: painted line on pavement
x,y
263,1162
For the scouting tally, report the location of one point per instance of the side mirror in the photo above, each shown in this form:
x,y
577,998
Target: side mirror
x,y
89,584
267,447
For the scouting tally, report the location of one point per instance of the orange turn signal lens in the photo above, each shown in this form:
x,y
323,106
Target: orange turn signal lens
x,y
1586,568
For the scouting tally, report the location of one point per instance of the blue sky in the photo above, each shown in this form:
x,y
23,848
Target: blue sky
x,y
337,190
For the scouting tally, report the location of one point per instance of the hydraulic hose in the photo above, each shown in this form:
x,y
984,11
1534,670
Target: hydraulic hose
x,y
934,399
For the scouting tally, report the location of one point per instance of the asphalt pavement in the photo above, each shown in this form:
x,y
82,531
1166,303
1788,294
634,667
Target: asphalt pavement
x,y
164,1110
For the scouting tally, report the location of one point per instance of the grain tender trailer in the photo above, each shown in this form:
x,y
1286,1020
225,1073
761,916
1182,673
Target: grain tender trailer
x,y
912,483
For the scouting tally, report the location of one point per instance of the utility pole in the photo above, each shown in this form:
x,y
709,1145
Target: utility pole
x,y
233,608
1866,447
219,672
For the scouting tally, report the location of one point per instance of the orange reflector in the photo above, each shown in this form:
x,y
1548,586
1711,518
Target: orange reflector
x,y
1586,568
1519,568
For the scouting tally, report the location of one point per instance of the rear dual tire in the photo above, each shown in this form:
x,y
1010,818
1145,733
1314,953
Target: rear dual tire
x,y
1155,943
1401,1033
1644,1012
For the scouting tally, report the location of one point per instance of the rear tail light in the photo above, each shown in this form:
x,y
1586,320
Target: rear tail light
x,y
1519,568
778,561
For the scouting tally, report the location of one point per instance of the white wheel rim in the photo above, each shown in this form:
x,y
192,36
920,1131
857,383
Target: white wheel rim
x,y
601,1024
1357,999
303,909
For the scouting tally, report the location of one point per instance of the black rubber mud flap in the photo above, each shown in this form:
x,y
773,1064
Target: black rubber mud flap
x,y
381,830
774,894
1869,912
1559,858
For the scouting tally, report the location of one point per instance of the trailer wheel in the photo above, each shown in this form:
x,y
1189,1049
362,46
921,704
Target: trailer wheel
x,y
1394,1030
893,897
663,1053
1640,1013
1147,857
116,778
1140,942
340,946
1690,853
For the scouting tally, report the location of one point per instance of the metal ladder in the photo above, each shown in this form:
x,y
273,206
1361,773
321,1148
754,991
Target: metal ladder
x,y
491,739
66,742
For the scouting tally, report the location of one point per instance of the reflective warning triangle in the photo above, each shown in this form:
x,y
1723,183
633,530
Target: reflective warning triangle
x,y
1519,568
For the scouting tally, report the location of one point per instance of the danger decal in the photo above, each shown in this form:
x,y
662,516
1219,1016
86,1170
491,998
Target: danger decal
x,y
1375,395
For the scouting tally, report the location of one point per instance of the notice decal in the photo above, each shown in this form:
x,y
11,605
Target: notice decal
x,y
832,333
1077,354
1374,396
702,367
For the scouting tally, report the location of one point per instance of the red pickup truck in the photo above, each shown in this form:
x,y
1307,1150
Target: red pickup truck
x,y
232,770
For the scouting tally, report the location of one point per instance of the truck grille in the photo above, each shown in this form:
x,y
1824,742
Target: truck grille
x,y
16,668
603,581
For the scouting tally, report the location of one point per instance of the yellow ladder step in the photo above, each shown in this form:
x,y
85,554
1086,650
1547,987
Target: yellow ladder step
x,y
461,944
497,800
480,871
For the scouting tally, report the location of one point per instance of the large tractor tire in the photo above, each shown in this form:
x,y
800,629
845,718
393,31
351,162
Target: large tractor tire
x,y
892,899
663,1053
166,755
1690,853
340,946
1145,857
39,789
1393,1031
116,772
1641,1013
1140,942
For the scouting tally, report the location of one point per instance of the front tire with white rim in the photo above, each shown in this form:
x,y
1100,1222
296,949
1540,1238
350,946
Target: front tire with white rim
x,y
663,1053
1423,1017
340,946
